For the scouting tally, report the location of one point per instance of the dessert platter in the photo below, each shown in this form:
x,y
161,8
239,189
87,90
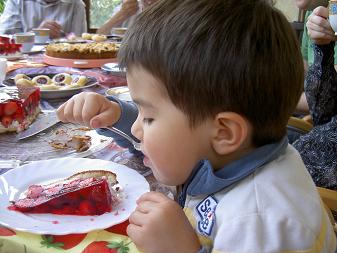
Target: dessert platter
x,y
79,55
19,106
59,85
67,195
9,49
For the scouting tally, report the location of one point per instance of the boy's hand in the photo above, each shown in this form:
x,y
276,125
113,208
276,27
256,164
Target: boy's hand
x,y
159,225
319,29
90,109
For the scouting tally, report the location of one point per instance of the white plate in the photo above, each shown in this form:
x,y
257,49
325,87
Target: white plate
x,y
13,57
15,182
122,93
51,94
55,94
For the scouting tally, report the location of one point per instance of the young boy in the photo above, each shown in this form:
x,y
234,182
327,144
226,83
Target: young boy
x,y
215,83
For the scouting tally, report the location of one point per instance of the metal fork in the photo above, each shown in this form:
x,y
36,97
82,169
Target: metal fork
x,y
135,144
11,164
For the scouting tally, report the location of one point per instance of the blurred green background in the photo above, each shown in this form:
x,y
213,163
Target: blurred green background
x,y
2,5
101,11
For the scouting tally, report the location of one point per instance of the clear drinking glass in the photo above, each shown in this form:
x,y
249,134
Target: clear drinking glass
x,y
3,69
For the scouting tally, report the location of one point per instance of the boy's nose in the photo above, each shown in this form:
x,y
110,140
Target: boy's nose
x,y
137,130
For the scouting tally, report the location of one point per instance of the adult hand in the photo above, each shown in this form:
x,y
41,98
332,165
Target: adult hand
x,y
129,8
90,109
159,225
319,29
54,27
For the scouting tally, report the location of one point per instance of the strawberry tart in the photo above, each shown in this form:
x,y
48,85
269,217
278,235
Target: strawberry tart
x,y
92,192
8,47
19,106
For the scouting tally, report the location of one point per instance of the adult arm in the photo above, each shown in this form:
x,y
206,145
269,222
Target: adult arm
x,y
122,13
10,21
79,21
321,85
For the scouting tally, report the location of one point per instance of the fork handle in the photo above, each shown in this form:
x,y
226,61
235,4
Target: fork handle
x,y
9,164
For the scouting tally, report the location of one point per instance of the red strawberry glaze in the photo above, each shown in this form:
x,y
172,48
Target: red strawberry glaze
x,y
89,196
18,108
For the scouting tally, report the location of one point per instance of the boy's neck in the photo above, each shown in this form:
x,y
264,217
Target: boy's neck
x,y
222,160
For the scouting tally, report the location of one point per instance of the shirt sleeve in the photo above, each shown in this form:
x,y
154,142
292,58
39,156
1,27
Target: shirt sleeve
x,y
79,24
304,44
321,85
10,21
129,113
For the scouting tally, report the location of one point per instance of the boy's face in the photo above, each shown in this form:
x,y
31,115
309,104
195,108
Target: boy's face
x,y
170,146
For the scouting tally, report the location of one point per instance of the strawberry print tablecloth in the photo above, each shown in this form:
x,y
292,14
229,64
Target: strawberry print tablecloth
x,y
109,240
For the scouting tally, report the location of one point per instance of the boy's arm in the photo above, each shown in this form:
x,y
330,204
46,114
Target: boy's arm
x,y
129,113
321,85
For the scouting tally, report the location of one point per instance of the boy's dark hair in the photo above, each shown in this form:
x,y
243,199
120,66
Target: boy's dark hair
x,y
221,55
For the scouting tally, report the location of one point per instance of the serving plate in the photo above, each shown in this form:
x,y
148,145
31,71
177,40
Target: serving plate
x,y
77,63
113,68
15,182
55,94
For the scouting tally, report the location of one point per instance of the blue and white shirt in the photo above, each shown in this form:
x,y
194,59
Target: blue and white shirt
x,y
24,15
265,202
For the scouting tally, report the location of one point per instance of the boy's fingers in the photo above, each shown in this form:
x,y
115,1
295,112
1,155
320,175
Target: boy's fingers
x,y
152,196
101,120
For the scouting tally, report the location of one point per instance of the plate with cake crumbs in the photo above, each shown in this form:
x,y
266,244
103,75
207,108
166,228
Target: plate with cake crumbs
x,y
53,86
61,140
41,181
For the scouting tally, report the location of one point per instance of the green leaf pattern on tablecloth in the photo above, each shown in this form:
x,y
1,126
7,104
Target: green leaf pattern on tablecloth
x,y
96,241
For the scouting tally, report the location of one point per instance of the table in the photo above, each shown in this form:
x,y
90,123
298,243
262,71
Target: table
x,y
96,241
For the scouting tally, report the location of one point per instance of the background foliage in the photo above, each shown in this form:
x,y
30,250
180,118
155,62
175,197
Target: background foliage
x,y
101,11
2,5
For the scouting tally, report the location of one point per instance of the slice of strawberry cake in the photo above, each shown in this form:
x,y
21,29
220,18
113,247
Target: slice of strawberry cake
x,y
18,108
91,192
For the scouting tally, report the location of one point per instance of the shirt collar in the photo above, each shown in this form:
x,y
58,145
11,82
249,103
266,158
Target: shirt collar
x,y
204,180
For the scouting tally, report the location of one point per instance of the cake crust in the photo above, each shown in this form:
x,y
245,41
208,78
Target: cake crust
x,y
96,50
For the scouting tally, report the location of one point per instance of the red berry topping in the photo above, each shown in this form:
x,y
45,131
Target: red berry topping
x,y
10,108
6,121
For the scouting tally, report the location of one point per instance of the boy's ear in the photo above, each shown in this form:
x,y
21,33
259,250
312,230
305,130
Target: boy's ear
x,y
231,131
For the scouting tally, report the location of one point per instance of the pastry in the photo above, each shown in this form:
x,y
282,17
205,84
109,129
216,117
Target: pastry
x,y
51,86
19,106
19,76
41,80
78,81
62,78
22,82
92,192
99,38
95,50
87,36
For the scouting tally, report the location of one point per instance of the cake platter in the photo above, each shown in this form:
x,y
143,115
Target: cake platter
x,y
57,94
77,63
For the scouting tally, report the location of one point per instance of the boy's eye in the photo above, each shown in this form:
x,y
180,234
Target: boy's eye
x,y
147,120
